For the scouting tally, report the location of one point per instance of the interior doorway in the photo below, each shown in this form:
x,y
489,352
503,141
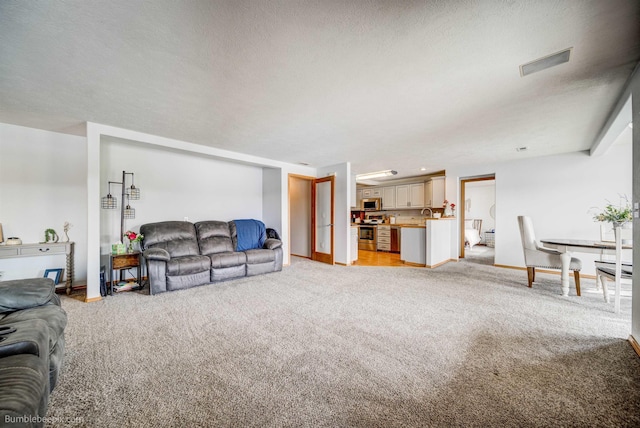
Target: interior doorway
x,y
477,219
311,217
300,193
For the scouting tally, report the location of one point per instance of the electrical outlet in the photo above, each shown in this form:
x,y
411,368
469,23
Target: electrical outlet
x,y
186,219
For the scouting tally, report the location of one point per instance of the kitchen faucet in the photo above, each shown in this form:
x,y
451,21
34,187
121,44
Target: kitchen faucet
x,y
430,212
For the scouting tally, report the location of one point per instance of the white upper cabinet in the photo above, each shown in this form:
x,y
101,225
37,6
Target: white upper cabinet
x,y
388,197
428,194
417,195
372,192
410,196
438,191
402,196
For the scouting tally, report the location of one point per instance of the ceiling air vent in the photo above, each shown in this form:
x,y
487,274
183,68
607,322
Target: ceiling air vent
x,y
545,62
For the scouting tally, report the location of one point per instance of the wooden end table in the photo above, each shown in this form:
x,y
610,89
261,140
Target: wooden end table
x,y
120,262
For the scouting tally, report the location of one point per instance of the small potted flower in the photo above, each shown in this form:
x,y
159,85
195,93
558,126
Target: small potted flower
x,y
449,208
132,237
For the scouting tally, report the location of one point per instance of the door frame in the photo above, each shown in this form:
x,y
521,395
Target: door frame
x,y
463,183
323,257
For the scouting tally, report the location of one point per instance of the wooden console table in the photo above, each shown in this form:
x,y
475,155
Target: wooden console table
x,y
44,249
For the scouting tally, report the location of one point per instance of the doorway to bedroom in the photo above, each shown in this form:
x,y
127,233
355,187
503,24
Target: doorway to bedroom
x,y
477,219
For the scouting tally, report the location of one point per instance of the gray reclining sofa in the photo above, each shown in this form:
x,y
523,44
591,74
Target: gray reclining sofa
x,y
181,254
32,345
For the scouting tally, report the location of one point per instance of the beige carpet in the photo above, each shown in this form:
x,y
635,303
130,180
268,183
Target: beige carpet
x,y
331,346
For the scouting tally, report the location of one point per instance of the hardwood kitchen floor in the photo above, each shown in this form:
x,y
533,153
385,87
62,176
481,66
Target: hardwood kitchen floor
x,y
378,258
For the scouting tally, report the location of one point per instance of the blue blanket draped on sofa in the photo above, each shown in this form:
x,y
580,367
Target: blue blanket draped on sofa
x,y
251,234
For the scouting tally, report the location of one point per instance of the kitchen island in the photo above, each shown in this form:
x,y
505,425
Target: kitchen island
x,y
427,245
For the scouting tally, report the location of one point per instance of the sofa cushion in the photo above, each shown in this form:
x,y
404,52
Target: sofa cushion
x,y
178,238
188,265
54,316
25,293
260,256
214,237
224,260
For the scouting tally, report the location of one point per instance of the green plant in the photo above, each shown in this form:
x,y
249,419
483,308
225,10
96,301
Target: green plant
x,y
50,235
616,214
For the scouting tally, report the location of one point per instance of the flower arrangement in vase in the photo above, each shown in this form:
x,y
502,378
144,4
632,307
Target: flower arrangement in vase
x,y
618,215
132,237
449,208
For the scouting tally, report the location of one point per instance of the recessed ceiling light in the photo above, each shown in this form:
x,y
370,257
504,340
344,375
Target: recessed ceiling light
x,y
303,163
545,62
522,149
423,169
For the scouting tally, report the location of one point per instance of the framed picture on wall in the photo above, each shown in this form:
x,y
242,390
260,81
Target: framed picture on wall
x,y
54,274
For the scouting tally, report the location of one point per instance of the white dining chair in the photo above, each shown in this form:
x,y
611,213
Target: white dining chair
x,y
617,271
537,256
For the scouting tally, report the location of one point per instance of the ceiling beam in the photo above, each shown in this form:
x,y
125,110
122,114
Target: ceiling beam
x,y
618,120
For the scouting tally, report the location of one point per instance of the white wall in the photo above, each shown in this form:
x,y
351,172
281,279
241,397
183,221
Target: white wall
x,y
300,209
342,222
271,198
558,192
42,185
174,185
482,195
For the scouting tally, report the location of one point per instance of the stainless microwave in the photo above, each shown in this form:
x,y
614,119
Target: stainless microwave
x,y
371,204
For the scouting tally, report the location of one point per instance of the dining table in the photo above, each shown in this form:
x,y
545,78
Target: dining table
x,y
568,246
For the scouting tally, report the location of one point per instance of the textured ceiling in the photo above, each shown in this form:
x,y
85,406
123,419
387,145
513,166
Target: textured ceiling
x,y
383,84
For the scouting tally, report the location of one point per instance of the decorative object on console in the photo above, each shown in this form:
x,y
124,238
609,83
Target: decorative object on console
x,y
1,235
449,208
618,215
111,202
132,237
66,228
14,240
50,235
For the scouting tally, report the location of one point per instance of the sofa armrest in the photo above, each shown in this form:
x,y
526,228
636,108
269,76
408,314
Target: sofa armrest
x,y
25,293
157,254
272,244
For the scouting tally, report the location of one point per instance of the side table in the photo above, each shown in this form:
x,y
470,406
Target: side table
x,y
490,239
120,262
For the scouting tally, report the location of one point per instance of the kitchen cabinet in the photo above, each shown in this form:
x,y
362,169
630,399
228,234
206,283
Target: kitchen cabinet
x,y
434,192
384,238
358,199
395,239
410,195
438,191
388,197
372,192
